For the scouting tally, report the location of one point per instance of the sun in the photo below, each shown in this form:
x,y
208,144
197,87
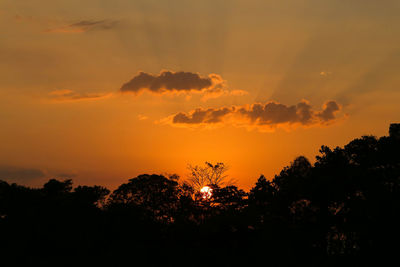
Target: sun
x,y
206,192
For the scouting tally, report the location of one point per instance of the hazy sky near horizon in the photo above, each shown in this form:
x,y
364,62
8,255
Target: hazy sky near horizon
x,y
101,91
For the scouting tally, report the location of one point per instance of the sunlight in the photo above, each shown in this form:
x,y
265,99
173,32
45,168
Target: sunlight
x,y
206,192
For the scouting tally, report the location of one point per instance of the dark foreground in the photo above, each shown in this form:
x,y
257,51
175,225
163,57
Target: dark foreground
x,y
343,210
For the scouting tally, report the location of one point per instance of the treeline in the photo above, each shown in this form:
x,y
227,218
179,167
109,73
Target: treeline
x,y
343,209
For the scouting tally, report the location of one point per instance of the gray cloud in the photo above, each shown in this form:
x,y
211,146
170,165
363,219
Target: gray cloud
x,y
328,113
69,95
65,175
202,116
95,25
211,86
271,114
168,81
85,26
12,173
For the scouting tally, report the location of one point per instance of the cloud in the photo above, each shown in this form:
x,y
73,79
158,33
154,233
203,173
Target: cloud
x,y
329,110
12,173
199,116
31,176
65,175
211,86
325,73
69,95
167,81
85,26
219,92
263,116
142,117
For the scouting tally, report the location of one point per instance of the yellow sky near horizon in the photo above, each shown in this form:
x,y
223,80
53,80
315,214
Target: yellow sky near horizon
x,y
63,63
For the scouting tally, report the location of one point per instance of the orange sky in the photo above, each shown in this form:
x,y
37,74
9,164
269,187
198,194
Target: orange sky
x,y
74,104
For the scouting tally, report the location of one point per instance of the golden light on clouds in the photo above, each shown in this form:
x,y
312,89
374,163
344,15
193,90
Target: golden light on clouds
x,y
181,82
265,117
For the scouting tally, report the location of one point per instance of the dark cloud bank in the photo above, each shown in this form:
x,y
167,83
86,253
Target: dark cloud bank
x,y
29,176
12,173
271,114
167,81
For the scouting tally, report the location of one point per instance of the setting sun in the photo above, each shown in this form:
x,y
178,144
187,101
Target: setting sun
x,y
206,192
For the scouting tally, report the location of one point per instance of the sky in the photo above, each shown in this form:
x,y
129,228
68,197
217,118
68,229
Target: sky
x,y
101,91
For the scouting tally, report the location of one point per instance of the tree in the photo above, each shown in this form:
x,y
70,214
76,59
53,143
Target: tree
x,y
156,195
228,197
210,174
54,187
260,201
291,181
90,195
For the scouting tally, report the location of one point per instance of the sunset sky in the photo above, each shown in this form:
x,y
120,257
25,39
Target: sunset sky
x,y
101,91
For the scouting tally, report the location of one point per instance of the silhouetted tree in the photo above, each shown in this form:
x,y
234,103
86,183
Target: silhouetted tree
x,y
210,174
90,195
155,194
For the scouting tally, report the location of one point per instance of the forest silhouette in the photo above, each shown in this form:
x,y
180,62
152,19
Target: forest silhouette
x,y
342,210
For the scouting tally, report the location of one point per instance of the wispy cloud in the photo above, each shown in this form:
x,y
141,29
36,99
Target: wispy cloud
x,y
265,117
31,176
12,173
325,73
84,26
69,95
142,117
220,92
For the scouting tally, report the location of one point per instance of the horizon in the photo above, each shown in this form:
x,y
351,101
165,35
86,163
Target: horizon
x,y
226,181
